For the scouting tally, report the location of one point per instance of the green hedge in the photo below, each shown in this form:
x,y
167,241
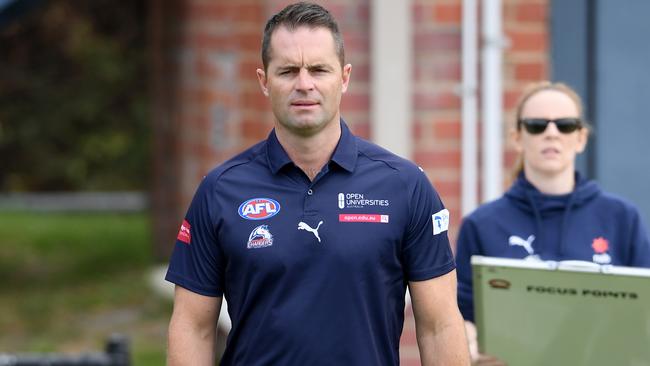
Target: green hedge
x,y
52,248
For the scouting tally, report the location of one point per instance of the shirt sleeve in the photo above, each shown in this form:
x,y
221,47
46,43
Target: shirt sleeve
x,y
197,262
466,246
426,250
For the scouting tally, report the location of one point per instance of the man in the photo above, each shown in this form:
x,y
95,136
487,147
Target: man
x,y
313,234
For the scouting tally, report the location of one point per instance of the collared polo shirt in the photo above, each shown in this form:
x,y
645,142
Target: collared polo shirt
x,y
314,272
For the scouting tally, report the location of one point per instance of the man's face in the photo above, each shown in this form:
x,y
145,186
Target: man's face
x,y
304,79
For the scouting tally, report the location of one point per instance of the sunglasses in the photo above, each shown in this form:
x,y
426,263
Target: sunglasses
x,y
535,126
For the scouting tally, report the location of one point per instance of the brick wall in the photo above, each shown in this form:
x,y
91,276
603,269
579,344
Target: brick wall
x,y
437,75
207,103
527,59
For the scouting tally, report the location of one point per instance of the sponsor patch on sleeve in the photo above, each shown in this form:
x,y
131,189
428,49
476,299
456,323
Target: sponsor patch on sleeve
x,y
440,221
184,233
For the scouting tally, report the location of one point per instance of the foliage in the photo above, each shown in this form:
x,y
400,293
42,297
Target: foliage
x,y
71,280
73,86
52,249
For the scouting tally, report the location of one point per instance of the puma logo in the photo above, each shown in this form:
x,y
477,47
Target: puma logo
x,y
526,244
303,226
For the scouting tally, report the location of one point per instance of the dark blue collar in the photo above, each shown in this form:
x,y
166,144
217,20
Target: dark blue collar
x,y
345,154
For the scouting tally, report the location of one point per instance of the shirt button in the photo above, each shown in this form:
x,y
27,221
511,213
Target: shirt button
x,y
310,192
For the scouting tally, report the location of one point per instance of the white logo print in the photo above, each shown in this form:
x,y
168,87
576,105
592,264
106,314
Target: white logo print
x,y
358,200
303,226
185,229
526,244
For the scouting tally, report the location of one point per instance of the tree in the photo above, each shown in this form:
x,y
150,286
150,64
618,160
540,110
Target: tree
x,y
73,97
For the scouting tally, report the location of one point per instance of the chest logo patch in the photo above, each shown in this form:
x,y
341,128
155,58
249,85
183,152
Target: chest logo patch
x,y
303,226
260,237
601,246
383,219
259,208
358,200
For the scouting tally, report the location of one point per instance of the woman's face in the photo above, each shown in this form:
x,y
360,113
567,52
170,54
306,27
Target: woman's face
x,y
550,153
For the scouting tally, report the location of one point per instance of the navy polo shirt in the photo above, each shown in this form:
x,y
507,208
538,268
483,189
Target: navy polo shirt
x,y
314,272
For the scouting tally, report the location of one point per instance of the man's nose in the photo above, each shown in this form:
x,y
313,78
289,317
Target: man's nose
x,y
304,81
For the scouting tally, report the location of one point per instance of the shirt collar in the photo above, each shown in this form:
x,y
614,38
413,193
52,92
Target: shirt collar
x,y
345,153
275,153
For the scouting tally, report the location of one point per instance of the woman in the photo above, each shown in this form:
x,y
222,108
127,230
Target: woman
x,y
550,212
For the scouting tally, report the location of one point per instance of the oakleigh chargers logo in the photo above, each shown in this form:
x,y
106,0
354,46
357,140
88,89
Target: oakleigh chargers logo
x,y
259,208
358,200
260,237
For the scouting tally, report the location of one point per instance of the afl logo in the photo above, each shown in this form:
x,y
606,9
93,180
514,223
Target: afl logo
x,y
259,208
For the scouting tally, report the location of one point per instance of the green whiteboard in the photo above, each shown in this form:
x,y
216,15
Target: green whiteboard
x,y
569,313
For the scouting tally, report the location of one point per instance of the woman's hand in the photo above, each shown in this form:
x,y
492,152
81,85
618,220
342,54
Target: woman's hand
x,y
479,359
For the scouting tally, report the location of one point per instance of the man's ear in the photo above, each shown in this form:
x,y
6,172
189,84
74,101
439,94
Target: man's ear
x,y
261,78
347,71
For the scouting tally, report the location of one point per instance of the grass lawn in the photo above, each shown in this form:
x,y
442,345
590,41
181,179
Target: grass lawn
x,y
71,280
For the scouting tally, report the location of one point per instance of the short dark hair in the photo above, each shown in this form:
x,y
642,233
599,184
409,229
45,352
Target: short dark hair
x,y
301,14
